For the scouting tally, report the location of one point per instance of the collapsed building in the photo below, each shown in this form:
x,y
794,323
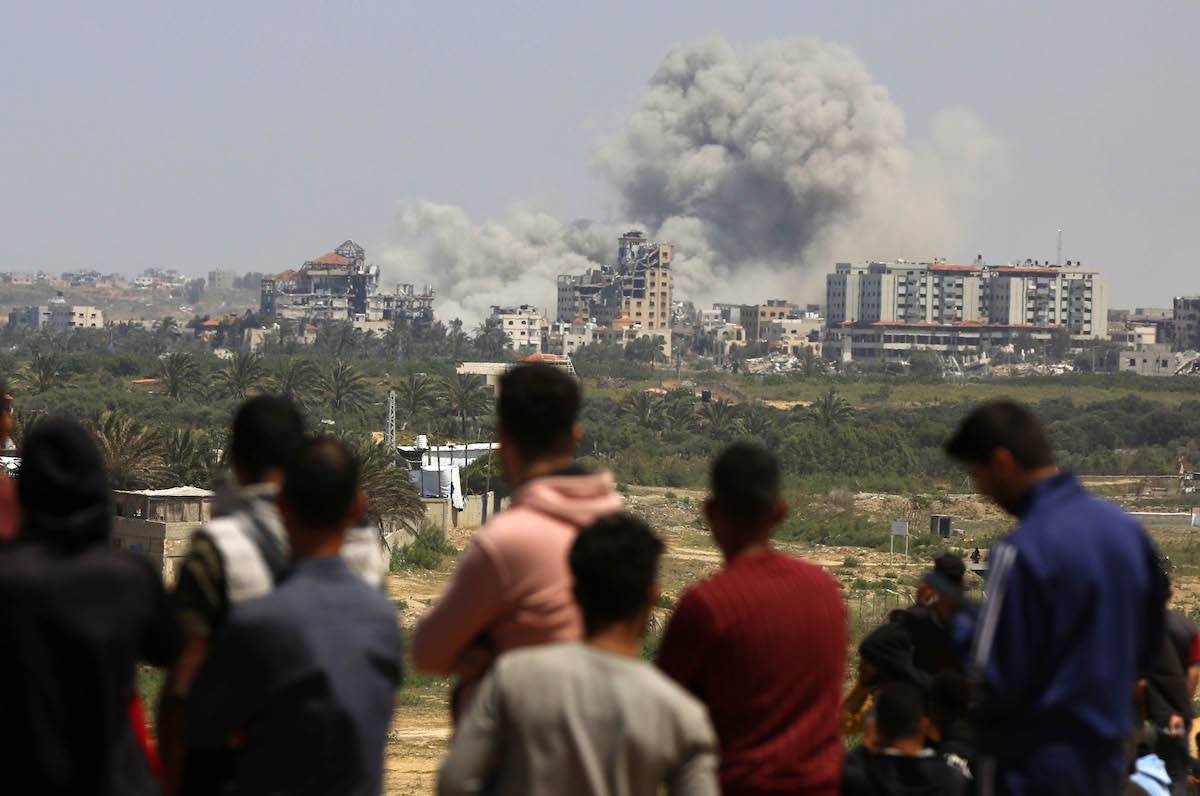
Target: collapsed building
x,y
632,298
341,286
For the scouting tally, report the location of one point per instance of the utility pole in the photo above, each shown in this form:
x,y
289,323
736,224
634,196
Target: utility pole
x,y
1058,262
389,429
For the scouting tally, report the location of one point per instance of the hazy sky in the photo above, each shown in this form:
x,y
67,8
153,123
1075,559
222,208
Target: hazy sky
x,y
254,135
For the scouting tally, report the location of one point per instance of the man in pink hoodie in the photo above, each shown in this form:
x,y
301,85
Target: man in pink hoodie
x,y
512,587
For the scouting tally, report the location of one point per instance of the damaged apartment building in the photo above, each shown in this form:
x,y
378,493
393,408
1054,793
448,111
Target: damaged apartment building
x,y
884,310
341,286
622,302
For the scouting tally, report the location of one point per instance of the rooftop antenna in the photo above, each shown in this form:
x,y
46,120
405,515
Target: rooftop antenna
x,y
1059,261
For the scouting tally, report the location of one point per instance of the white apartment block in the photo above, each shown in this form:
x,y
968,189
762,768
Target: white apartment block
x,y
524,326
938,293
58,316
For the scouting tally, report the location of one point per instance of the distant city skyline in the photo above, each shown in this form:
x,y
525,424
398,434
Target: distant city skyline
x,y
249,138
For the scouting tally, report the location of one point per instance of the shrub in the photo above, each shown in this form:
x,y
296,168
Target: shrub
x,y
851,562
671,496
427,550
666,601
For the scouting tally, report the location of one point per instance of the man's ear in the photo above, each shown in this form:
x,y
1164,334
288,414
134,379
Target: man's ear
x,y
926,728
779,512
576,435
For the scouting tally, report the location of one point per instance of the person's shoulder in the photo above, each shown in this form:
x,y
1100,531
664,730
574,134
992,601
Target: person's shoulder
x,y
514,525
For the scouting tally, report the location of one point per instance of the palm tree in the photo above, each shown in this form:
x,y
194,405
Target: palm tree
x,y
490,339
178,373
164,330
810,363
346,389
186,457
133,453
642,406
832,409
678,412
42,375
466,396
297,379
388,488
240,377
414,395
717,417
756,422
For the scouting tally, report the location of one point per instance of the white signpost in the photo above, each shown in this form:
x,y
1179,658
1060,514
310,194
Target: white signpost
x,y
900,528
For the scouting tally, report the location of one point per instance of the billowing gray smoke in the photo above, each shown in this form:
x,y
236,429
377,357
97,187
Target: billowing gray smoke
x,y
752,166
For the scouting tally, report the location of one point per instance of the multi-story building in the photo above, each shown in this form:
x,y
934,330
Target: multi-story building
x,y
790,335
924,303
58,315
635,295
340,286
1186,323
903,292
524,326
222,280
892,340
754,317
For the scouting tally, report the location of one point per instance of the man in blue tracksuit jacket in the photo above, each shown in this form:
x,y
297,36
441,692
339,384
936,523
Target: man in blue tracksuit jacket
x,y
1074,612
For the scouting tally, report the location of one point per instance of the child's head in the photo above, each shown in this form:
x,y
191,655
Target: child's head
x,y
900,719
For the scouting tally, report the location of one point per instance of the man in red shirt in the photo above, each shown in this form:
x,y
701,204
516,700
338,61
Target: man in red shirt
x,y
763,642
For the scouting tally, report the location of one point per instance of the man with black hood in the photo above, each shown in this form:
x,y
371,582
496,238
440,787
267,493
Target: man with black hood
x,y
76,616
928,622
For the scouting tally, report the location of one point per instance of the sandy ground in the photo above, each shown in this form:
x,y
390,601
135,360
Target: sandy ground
x,y
875,582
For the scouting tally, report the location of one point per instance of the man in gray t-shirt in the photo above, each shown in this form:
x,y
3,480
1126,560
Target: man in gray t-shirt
x,y
590,718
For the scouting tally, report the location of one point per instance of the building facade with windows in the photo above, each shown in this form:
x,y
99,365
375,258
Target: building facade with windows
x,y
635,296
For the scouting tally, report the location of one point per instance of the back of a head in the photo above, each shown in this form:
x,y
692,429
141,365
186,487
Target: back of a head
x,y
746,481
321,483
63,486
267,432
949,697
537,409
951,567
614,563
1002,424
898,712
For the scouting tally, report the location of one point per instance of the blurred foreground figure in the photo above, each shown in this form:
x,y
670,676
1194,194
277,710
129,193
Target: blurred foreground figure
x,y
762,643
238,556
297,691
10,513
588,719
895,760
512,587
1073,613
76,615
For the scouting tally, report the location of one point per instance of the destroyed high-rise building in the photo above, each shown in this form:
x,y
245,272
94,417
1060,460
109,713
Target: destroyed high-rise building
x,y
341,286
633,297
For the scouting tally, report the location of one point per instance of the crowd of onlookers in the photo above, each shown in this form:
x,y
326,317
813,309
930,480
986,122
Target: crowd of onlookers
x,y
283,656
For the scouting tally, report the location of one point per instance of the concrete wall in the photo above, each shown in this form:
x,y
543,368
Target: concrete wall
x,y
441,514
164,544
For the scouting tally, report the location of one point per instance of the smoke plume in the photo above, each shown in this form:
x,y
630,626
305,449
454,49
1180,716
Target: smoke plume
x,y
761,169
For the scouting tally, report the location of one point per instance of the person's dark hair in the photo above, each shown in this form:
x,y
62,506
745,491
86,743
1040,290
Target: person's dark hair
x,y
1002,424
321,482
898,711
63,486
614,562
949,698
745,480
267,432
537,408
